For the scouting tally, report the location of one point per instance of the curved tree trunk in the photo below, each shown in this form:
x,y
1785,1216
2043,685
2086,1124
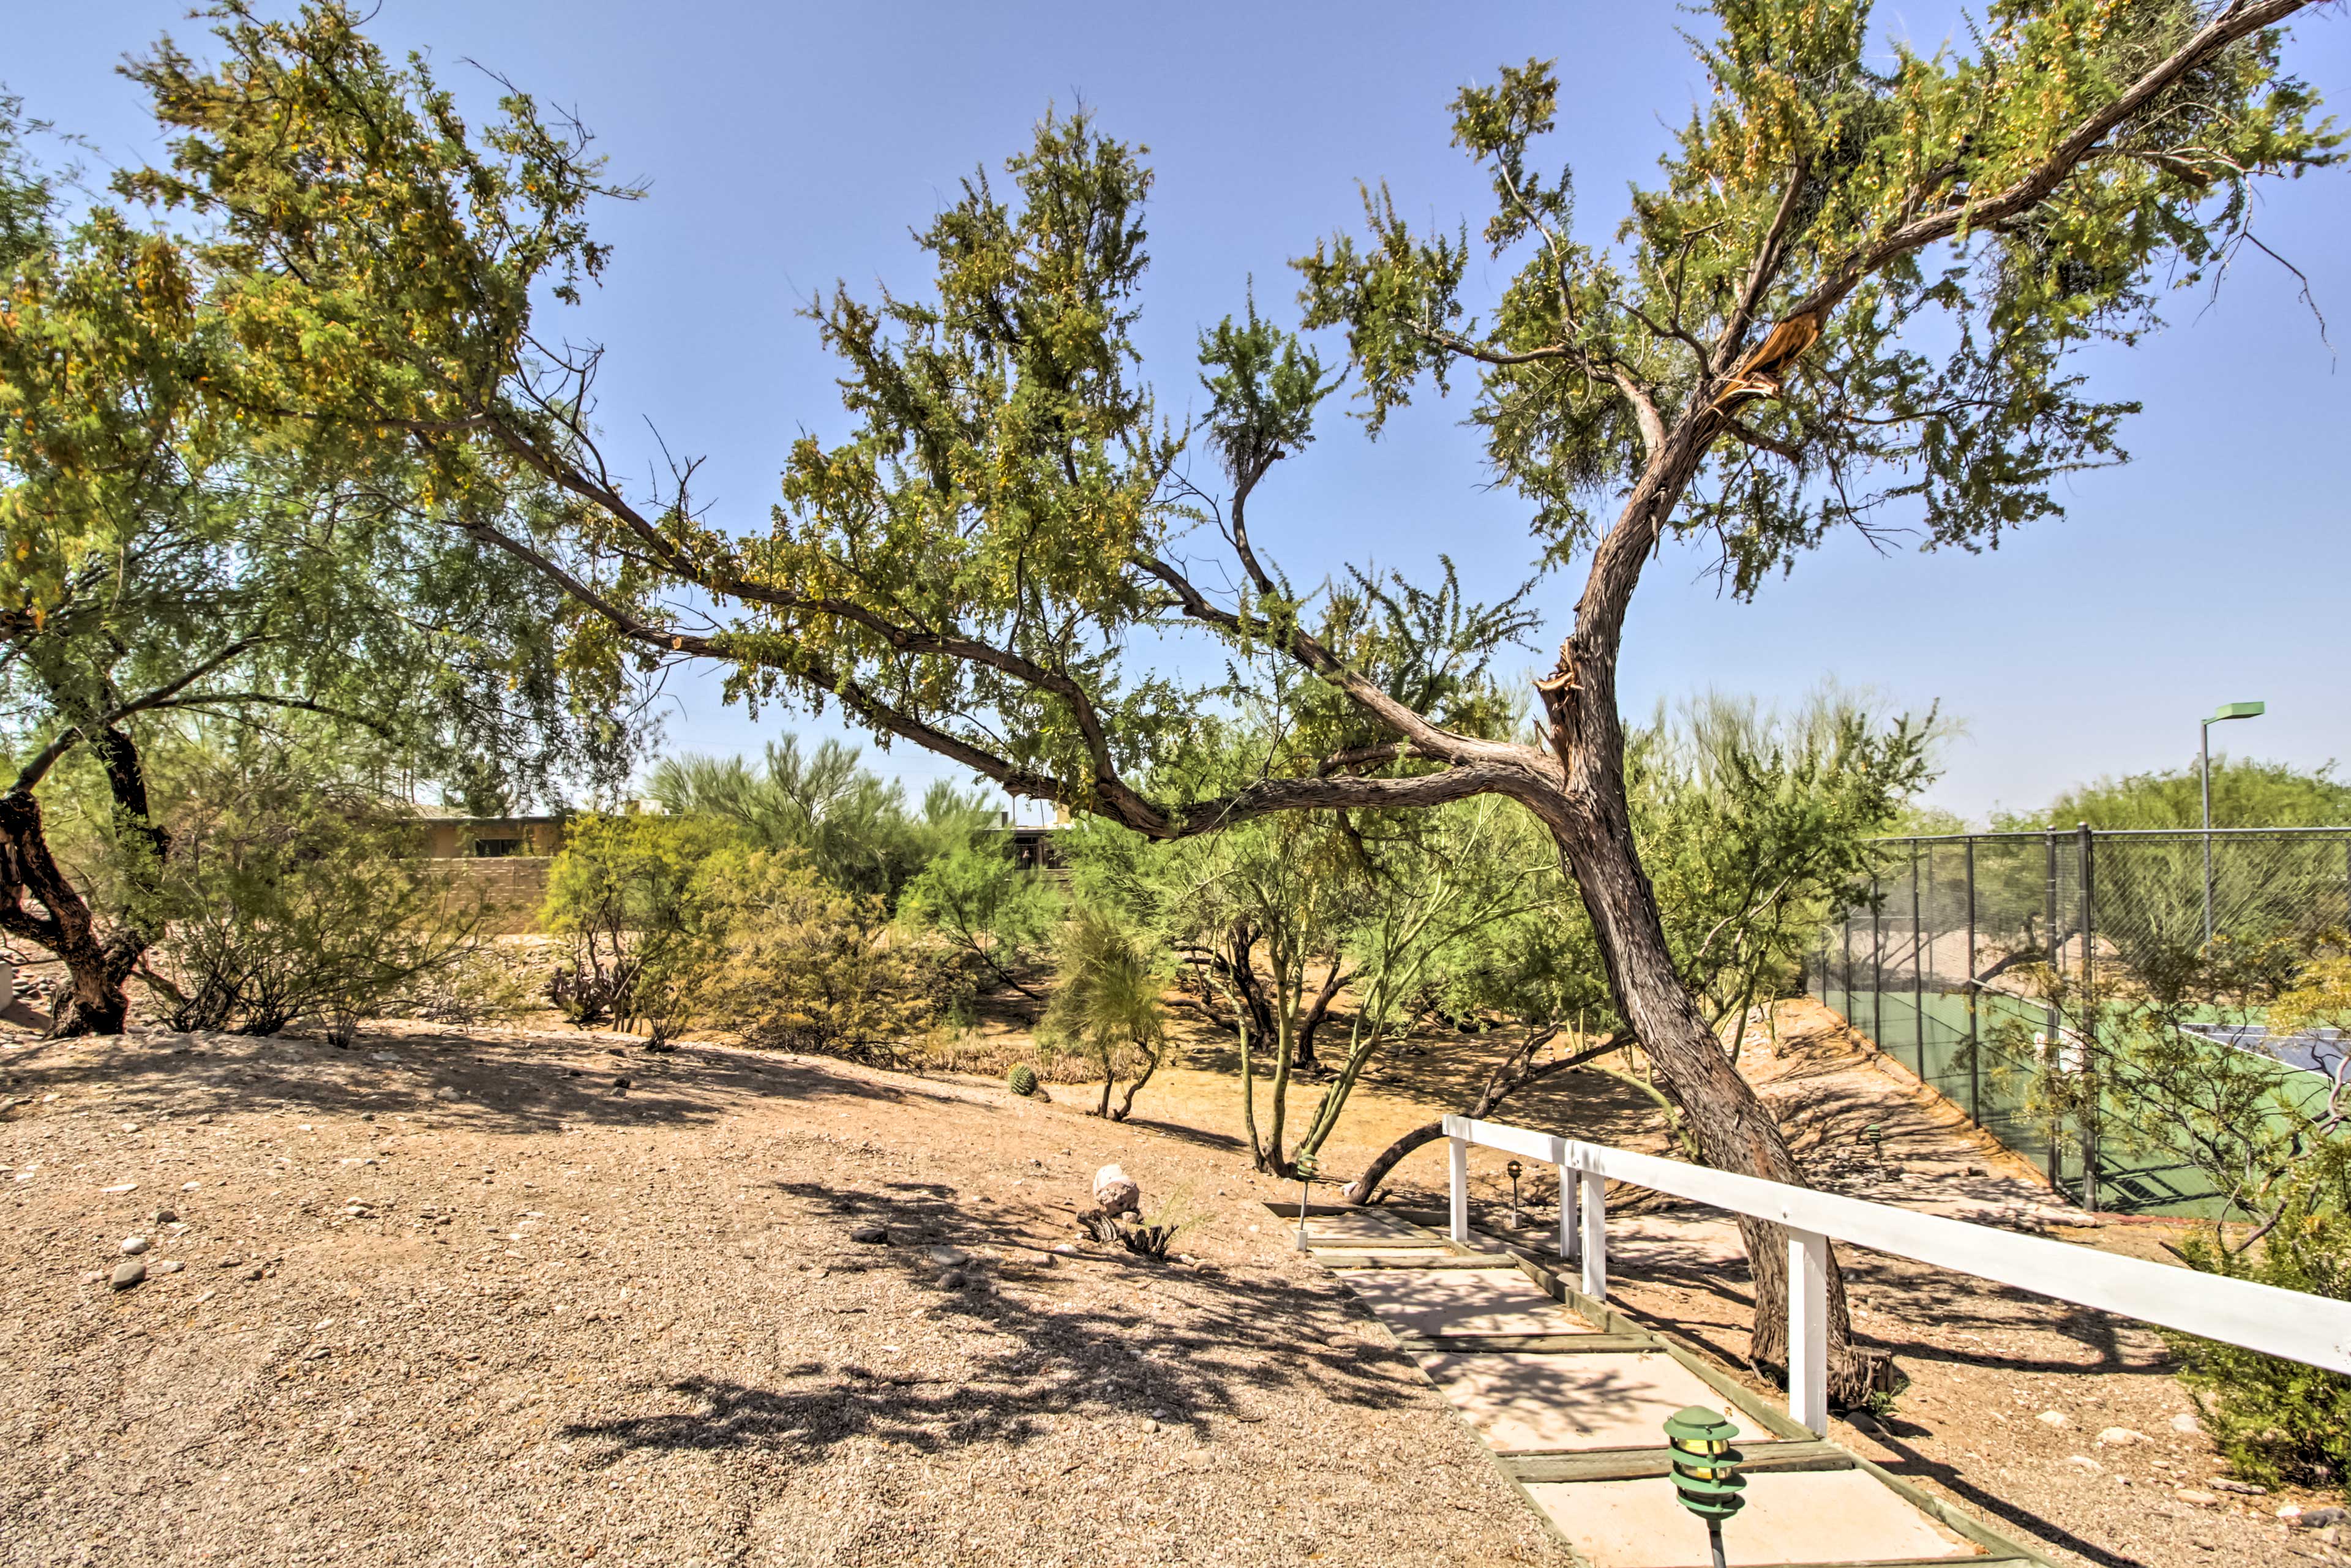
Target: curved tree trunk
x,y
1513,1073
97,964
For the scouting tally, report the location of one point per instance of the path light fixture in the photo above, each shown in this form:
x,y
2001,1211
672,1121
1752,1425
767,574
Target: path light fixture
x,y
2220,714
1516,1170
1873,1135
1305,1165
1706,1468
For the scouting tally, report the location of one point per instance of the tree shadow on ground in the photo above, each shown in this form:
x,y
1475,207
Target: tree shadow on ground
x,y
1055,1355
503,1084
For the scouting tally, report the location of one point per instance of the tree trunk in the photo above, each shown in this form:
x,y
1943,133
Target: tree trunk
x,y
97,964
1730,1121
1306,1060
1513,1073
95,1004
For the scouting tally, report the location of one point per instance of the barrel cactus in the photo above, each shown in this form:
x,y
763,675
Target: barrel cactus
x,y
1022,1081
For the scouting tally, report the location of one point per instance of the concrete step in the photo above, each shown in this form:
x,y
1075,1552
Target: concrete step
x,y
1465,1302
1554,1404
1800,1519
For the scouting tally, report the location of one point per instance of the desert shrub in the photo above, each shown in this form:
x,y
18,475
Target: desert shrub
x,y
991,914
623,893
287,895
2276,1421
479,987
1106,1004
791,962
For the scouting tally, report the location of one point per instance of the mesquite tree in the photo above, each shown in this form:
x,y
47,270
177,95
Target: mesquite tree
x,y
1849,288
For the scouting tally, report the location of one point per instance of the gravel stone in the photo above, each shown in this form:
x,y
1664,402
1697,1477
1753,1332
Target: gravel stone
x,y
128,1274
133,1245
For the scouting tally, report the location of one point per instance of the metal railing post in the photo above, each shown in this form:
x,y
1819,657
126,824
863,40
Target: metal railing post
x,y
2052,1058
1460,1231
1596,1234
1808,1330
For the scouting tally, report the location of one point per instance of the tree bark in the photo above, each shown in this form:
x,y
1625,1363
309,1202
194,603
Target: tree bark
x,y
97,963
1305,1060
1509,1075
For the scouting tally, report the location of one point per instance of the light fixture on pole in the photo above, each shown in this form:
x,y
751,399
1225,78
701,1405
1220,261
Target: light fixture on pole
x,y
1516,1170
2204,773
1304,1166
1705,1468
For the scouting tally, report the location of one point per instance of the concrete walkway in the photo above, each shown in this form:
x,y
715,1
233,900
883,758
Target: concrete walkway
x,y
1571,1399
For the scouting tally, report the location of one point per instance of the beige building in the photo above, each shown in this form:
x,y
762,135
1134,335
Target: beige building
x,y
491,837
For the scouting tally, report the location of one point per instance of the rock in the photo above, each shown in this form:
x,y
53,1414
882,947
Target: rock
x,y
253,1273
1116,1193
1068,1249
2119,1437
384,1056
621,1083
2185,1423
445,1092
189,1186
128,1274
2242,1489
2087,1463
126,1187
952,1280
133,1245
947,1257
231,1262
167,1216
170,1266
2200,1499
872,1235
2055,1418
2298,1516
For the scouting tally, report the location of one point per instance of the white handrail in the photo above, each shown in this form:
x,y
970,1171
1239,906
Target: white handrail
x,y
2311,1329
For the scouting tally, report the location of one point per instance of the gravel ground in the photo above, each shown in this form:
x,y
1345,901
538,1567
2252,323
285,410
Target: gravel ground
x,y
461,1297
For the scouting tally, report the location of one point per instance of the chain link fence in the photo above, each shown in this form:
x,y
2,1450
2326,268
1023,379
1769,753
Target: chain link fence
x,y
1944,965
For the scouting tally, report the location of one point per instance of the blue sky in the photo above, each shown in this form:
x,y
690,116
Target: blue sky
x,y
788,145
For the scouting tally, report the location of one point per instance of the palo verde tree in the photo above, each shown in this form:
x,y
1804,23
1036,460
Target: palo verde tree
x,y
168,563
1850,287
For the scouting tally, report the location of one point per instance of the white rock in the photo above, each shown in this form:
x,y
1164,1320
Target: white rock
x,y
2185,1422
133,1245
126,1187
170,1266
2085,1460
2119,1436
2055,1418
947,1257
1115,1192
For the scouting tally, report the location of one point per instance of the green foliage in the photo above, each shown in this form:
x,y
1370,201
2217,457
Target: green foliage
x,y
1106,1003
292,895
849,823
791,962
1022,1081
993,912
2279,1422
624,891
2246,793
1950,278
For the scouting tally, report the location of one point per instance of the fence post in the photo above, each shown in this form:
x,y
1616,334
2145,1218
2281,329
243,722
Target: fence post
x,y
1596,1234
2089,1011
1876,963
1570,1179
2053,1053
1918,967
1975,1037
1808,1330
1460,1231
1844,987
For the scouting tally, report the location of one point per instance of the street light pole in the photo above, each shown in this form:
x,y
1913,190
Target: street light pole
x,y
2204,773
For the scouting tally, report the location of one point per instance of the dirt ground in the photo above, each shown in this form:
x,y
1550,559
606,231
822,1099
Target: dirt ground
x,y
458,1297
547,1321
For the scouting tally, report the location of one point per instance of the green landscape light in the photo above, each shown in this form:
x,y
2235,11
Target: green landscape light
x,y
1705,1468
2220,714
